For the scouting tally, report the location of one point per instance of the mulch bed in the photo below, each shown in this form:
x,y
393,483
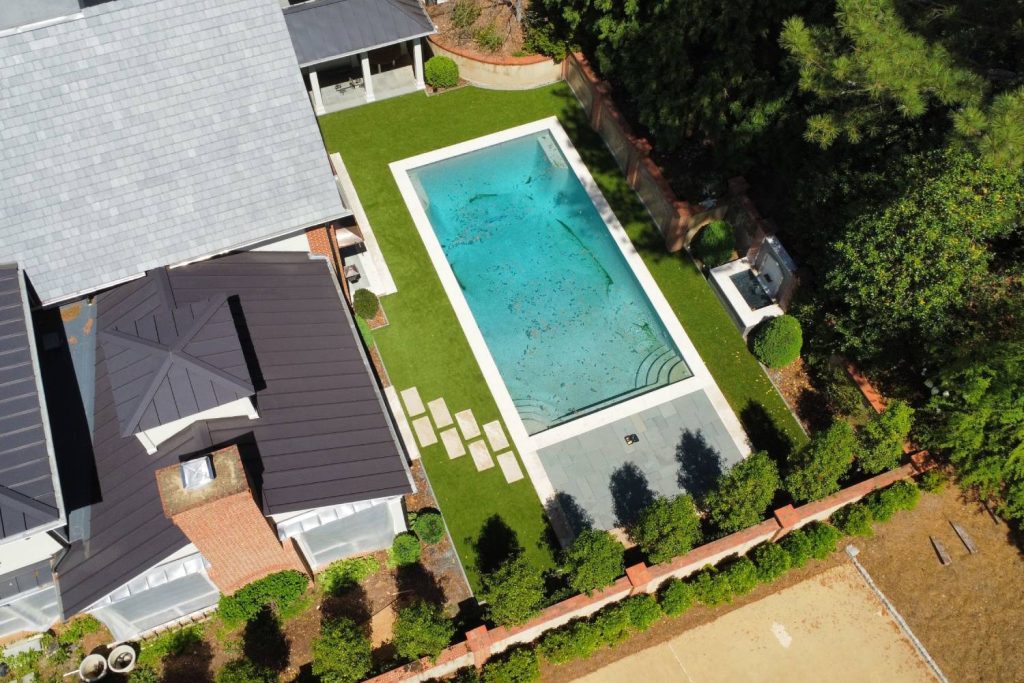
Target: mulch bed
x,y
378,365
802,397
378,321
499,14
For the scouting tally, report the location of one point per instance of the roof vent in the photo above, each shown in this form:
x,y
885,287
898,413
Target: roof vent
x,y
197,473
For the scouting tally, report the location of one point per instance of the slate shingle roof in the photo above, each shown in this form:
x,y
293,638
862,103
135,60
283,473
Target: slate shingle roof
x,y
326,29
151,132
28,490
323,436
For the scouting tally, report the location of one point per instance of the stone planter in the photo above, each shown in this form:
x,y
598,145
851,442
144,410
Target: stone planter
x,y
499,73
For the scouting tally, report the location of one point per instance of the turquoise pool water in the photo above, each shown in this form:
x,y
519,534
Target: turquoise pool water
x,y
565,319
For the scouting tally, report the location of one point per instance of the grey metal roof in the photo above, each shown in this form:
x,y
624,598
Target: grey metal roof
x,y
327,29
22,12
323,435
28,490
27,578
151,132
175,362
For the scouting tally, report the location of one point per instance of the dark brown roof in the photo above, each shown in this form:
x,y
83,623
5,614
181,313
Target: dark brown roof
x,y
28,498
323,435
175,362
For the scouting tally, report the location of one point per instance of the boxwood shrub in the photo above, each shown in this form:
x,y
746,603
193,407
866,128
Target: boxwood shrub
x,y
365,304
714,244
742,576
771,560
711,587
428,526
823,539
441,72
515,666
777,341
405,550
575,640
854,520
677,596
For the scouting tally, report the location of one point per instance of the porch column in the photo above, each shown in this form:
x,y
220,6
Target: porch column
x,y
417,63
364,60
318,98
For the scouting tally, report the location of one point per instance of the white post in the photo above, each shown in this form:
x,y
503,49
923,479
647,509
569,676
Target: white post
x,y
364,60
318,98
417,63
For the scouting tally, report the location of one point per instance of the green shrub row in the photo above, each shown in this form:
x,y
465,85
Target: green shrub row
x,y
613,624
280,591
879,506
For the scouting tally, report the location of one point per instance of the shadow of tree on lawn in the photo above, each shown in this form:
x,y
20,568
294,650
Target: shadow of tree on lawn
x,y
496,543
764,434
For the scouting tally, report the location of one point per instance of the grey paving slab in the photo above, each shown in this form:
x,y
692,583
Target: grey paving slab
x,y
453,445
439,411
424,431
509,466
467,424
413,402
597,476
481,456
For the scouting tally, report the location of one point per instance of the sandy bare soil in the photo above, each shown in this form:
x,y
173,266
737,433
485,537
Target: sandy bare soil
x,y
967,614
830,627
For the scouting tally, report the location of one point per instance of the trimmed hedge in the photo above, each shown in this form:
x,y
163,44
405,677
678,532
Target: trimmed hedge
x,y
771,560
347,573
711,587
520,665
903,495
422,630
742,576
933,481
777,341
245,671
441,72
677,596
342,652
280,591
714,244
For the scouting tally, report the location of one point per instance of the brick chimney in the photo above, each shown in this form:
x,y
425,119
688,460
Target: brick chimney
x,y
221,517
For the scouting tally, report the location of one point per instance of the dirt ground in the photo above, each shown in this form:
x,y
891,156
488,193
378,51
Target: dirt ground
x,y
830,626
966,614
493,13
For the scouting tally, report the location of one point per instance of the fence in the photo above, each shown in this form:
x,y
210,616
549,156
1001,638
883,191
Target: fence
x,y
481,643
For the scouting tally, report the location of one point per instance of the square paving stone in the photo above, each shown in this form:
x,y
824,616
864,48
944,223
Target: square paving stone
x,y
452,443
496,436
467,423
413,402
439,411
481,456
424,431
509,466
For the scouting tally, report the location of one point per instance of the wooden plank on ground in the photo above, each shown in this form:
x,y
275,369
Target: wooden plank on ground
x,y
940,550
965,537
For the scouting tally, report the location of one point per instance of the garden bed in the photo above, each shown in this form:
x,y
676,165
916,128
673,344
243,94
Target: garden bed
x,y
483,27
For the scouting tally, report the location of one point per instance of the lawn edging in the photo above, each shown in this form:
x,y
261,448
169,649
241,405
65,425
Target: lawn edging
x,y
481,643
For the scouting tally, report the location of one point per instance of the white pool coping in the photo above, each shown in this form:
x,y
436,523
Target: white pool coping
x,y
749,318
526,444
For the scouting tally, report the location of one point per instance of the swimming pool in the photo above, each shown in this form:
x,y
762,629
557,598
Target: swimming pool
x,y
560,309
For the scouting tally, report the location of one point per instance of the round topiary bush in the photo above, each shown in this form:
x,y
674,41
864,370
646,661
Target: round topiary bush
x,y
365,304
405,550
429,526
441,72
776,341
714,244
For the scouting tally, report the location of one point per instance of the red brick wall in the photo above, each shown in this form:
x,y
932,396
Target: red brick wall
x,y
238,541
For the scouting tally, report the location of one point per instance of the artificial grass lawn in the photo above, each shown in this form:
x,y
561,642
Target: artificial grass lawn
x,y
424,346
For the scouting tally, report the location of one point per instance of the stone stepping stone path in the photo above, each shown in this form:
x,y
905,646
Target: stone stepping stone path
x,y
412,401
467,424
424,431
452,443
481,455
496,436
509,466
439,411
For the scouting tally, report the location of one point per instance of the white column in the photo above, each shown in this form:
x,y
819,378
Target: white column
x,y
417,63
364,60
318,98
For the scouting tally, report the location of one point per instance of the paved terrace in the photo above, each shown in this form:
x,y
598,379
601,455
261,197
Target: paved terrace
x,y
602,480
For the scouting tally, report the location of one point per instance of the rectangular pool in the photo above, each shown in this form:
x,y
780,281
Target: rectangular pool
x,y
560,309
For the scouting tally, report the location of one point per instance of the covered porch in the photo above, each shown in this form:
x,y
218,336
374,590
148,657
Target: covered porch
x,y
356,51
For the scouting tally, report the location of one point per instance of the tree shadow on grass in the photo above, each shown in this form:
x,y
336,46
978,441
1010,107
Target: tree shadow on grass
x,y
496,544
565,518
631,494
264,642
700,464
764,434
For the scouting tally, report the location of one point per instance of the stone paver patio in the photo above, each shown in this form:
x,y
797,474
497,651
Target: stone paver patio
x,y
452,443
598,478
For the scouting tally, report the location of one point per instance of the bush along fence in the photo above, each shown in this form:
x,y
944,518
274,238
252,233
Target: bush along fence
x,y
708,586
